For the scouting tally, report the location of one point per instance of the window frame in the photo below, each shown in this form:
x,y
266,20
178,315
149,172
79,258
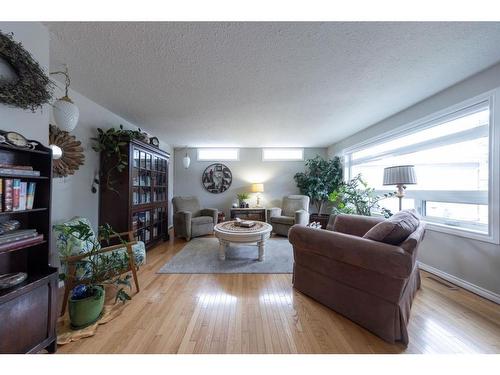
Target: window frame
x,y
282,148
434,119
218,148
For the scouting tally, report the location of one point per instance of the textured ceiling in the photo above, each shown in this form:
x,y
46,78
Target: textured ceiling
x,y
266,84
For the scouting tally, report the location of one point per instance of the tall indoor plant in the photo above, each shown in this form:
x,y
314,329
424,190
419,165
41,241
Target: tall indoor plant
x,y
356,197
87,299
322,176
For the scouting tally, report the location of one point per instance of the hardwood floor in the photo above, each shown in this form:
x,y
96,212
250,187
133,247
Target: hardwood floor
x,y
263,314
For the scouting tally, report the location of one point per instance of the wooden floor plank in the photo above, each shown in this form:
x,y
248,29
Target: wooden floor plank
x,y
262,313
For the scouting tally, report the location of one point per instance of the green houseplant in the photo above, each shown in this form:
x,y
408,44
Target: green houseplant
x,y
356,197
112,143
321,177
242,197
87,299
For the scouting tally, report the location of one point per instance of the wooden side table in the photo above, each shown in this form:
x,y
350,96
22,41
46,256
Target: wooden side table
x,y
255,213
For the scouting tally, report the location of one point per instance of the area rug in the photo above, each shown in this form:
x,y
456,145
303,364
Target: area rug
x,y
200,255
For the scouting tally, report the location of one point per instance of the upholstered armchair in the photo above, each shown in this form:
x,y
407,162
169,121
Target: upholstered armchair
x,y
295,210
362,267
190,220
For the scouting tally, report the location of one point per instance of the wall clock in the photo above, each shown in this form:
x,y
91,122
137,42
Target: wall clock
x,y
217,178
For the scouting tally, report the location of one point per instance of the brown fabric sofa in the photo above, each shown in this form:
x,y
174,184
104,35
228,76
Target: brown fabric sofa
x,y
369,282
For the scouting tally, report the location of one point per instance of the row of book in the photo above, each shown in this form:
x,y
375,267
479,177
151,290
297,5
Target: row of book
x,y
16,195
19,238
24,170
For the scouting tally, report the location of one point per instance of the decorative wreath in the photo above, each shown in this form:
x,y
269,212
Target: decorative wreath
x,y
32,88
72,152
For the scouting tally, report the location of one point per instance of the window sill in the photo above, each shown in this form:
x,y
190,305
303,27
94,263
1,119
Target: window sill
x,y
462,232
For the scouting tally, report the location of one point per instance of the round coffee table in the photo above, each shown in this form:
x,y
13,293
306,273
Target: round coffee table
x,y
228,232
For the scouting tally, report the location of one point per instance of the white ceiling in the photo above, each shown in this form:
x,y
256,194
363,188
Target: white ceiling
x,y
266,84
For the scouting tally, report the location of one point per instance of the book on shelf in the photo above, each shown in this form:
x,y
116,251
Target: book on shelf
x,y
16,195
22,172
13,166
21,243
7,194
30,195
17,235
22,195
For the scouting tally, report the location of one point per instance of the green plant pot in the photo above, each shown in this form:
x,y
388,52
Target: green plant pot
x,y
84,312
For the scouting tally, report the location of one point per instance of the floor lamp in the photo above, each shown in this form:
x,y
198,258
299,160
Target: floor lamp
x,y
400,176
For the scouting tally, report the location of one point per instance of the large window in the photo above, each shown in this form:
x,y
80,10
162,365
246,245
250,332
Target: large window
x,y
278,154
218,154
451,155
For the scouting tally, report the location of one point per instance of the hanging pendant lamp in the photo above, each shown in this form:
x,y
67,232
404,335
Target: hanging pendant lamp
x,y
65,112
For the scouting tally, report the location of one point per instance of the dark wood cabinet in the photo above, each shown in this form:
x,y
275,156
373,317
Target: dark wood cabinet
x,y
28,310
249,213
139,201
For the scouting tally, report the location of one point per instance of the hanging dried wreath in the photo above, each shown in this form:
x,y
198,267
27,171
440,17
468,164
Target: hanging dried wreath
x,y
72,152
32,88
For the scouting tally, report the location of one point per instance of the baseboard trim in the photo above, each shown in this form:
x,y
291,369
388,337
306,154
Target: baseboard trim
x,y
494,297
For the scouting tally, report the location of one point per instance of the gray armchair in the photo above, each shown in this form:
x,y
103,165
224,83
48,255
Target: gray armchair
x,y
190,220
295,210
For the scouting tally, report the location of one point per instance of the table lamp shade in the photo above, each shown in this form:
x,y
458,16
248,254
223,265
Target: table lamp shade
x,y
400,175
257,188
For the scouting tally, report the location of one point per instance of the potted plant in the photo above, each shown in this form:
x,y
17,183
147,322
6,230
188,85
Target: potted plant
x,y
321,178
112,144
86,301
242,197
355,197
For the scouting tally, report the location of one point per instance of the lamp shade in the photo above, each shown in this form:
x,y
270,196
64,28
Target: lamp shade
x,y
66,114
400,175
257,188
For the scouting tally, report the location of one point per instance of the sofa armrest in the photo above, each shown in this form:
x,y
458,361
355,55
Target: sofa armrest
x,y
273,211
360,252
210,212
356,225
301,217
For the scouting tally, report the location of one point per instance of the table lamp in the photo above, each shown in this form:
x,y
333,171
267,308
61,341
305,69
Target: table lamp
x,y
257,188
400,176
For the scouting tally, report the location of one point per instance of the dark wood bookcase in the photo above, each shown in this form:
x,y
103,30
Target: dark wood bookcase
x,y
140,202
28,311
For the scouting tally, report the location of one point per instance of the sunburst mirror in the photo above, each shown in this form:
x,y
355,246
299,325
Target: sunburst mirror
x,y
69,150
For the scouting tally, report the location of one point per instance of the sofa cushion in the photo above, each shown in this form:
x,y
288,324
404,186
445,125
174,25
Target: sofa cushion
x,y
287,220
202,220
395,229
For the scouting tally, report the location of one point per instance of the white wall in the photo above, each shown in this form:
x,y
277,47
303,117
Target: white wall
x,y
472,261
276,176
34,38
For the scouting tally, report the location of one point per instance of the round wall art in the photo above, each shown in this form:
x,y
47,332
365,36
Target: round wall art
x,y
217,178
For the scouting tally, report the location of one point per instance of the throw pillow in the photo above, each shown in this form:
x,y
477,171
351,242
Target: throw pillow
x,y
396,229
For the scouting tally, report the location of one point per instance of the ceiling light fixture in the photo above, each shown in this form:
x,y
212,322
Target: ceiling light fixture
x,y
65,112
186,160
